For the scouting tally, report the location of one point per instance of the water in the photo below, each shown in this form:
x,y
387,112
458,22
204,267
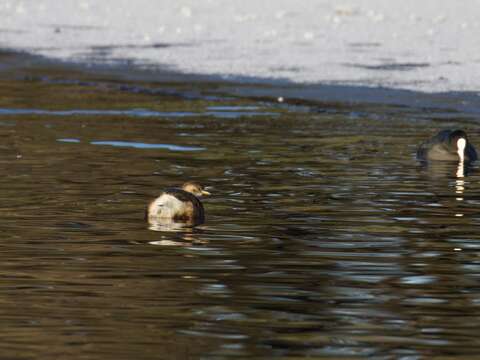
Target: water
x,y
324,237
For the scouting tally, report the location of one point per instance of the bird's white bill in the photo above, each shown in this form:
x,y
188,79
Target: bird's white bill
x,y
461,144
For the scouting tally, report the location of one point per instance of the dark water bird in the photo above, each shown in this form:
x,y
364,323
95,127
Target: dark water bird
x,y
448,145
176,205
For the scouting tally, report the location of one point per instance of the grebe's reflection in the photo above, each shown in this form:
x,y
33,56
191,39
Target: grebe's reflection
x,y
185,232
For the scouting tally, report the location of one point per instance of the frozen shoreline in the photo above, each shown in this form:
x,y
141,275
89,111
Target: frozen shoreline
x,y
20,65
428,46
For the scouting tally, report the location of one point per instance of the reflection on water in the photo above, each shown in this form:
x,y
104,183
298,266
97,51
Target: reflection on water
x,y
219,112
138,145
325,238
440,171
460,183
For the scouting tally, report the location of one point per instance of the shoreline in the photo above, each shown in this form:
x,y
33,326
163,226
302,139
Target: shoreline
x,y
427,46
16,64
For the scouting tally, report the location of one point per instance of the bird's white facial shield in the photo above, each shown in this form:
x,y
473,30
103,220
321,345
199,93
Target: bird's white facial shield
x,y
461,144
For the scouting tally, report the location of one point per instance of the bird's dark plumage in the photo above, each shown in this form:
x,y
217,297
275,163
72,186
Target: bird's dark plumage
x,y
185,196
444,147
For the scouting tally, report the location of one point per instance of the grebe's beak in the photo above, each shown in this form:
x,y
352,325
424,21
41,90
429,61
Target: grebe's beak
x,y
206,193
461,144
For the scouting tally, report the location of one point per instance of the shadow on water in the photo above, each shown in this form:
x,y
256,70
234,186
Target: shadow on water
x,y
323,238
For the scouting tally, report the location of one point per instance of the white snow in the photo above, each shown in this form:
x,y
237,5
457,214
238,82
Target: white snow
x,y
427,45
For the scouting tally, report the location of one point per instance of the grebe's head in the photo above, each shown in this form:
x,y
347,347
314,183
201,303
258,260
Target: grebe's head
x,y
458,139
194,188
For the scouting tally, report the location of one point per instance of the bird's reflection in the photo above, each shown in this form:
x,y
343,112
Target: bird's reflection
x,y
460,184
185,233
440,170
442,174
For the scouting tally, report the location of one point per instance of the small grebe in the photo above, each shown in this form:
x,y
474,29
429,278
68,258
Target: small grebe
x,y
178,205
448,145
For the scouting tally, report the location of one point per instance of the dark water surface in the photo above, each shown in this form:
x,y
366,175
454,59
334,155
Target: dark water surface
x,y
324,237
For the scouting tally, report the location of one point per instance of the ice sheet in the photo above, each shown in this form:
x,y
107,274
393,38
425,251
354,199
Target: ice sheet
x,y
427,45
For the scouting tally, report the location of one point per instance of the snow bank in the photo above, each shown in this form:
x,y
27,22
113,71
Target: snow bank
x,y
427,45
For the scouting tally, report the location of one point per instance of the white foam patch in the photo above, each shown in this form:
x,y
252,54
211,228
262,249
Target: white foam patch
x,y
421,45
